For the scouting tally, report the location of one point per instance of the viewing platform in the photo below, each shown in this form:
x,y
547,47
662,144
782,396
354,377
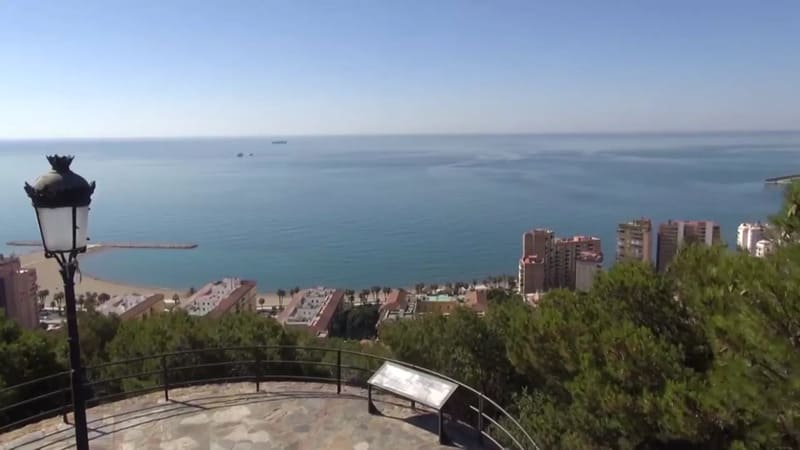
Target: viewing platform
x,y
152,245
284,415
264,397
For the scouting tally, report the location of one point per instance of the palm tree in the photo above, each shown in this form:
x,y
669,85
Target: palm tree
x,y
58,297
296,290
103,297
81,300
42,297
281,293
191,290
419,287
350,294
53,304
386,291
434,287
375,291
474,282
261,302
364,295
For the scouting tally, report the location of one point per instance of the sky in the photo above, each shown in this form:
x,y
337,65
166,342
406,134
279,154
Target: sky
x,y
75,69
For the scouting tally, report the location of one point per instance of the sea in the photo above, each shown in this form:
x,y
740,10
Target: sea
x,y
358,211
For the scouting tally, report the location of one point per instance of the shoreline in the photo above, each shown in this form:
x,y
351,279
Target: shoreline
x,y
48,277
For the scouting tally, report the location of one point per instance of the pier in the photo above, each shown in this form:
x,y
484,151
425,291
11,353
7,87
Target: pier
x,y
786,179
149,245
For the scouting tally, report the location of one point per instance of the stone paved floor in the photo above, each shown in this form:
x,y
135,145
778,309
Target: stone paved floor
x,y
284,415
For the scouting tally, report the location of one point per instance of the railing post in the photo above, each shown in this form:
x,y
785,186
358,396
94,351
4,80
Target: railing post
x,y
65,410
480,418
258,371
165,376
338,371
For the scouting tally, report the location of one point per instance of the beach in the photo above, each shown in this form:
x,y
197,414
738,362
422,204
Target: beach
x,y
48,277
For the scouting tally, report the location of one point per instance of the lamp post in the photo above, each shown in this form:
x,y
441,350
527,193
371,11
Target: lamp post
x,y
61,200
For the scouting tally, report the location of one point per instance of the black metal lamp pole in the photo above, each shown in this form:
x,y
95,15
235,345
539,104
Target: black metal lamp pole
x,y
61,199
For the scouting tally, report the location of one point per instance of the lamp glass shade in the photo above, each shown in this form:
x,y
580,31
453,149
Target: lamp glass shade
x,y
57,227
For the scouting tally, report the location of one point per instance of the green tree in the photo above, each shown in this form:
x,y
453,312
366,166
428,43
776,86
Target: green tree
x,y
359,322
787,220
103,297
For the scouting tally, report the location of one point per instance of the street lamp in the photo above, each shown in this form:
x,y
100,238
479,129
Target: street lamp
x,y
61,199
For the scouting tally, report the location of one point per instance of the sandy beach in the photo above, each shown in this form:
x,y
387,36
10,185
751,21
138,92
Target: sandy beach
x,y
48,277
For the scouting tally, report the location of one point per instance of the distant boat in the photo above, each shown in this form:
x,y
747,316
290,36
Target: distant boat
x,y
279,142
239,155
251,154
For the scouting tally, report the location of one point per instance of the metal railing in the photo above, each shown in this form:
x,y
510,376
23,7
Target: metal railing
x,y
258,364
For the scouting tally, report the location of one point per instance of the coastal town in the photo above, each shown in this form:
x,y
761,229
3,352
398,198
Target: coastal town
x,y
30,294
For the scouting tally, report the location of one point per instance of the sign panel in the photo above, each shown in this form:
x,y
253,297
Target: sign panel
x,y
419,386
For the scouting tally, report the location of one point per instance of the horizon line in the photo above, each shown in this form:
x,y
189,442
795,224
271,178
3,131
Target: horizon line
x,y
423,134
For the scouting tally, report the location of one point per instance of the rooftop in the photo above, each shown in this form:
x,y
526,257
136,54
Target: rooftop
x,y
211,295
590,257
312,308
121,304
577,238
225,416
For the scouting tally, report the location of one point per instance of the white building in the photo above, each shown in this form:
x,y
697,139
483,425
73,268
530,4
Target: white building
x,y
211,295
763,248
748,234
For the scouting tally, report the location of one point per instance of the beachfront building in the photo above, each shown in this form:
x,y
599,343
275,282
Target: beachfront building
x,y
587,266
313,310
132,306
399,306
549,262
763,248
674,234
634,241
18,292
748,234
223,296
566,256
537,254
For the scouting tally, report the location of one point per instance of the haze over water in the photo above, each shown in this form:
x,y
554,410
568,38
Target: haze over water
x,y
387,210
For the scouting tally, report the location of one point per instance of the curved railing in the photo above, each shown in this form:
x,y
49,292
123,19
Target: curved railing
x,y
49,396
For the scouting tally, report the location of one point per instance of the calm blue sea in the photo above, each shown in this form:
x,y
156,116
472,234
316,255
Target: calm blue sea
x,y
360,211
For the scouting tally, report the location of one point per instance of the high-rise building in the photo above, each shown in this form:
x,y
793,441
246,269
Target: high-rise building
x,y
548,262
634,241
18,292
587,266
673,234
562,272
748,234
537,253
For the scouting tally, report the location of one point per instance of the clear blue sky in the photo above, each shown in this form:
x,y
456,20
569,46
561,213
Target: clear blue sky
x,y
194,68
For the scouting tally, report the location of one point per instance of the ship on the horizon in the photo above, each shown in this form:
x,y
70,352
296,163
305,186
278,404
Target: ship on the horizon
x,y
279,142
